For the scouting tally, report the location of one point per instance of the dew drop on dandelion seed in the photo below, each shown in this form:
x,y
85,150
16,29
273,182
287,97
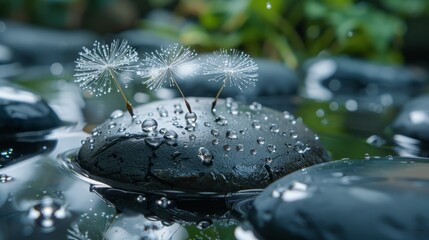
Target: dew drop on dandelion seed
x,y
149,125
221,120
205,155
231,134
191,117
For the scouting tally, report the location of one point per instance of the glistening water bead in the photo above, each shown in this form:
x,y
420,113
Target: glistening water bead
x,y
149,125
191,117
205,155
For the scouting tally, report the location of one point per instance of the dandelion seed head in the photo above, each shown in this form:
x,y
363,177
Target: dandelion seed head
x,y
166,64
231,66
96,68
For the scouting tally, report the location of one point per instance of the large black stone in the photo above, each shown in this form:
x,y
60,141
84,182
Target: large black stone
x,y
237,147
413,120
22,111
382,198
346,78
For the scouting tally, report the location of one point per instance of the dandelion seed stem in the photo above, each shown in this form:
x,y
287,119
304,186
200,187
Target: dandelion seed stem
x,y
127,103
217,96
188,106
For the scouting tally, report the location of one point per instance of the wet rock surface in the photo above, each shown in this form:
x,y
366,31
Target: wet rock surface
x,y
24,111
413,120
237,147
342,77
381,198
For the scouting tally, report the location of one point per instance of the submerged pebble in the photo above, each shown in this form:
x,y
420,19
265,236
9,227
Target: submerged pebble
x,y
222,158
378,198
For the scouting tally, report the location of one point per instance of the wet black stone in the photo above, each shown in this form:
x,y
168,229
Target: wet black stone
x,y
382,198
22,111
202,157
413,120
347,78
33,45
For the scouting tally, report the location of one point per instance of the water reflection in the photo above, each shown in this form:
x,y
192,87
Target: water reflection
x,y
167,211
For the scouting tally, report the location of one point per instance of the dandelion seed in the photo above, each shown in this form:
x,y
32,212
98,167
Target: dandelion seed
x,y
99,69
167,65
231,66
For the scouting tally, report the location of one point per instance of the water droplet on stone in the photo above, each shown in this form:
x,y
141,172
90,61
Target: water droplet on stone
x,y
149,125
260,140
192,137
207,124
163,130
255,106
253,151
256,124
221,120
112,125
214,132
271,148
274,128
154,142
300,147
268,160
293,134
215,141
231,134
227,147
116,114
170,134
121,129
240,147
205,156
91,146
191,117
